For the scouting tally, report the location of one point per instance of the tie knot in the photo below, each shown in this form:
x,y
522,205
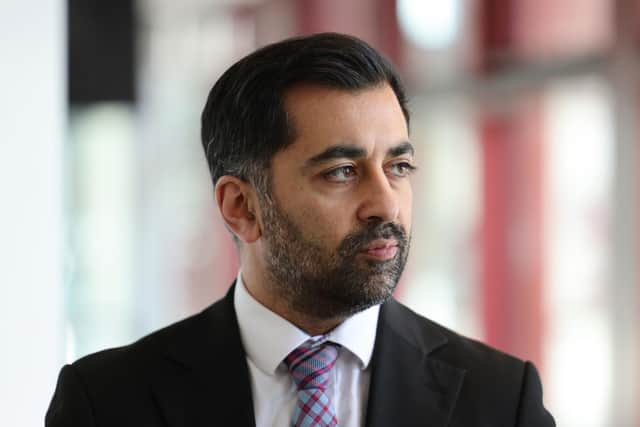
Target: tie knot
x,y
310,365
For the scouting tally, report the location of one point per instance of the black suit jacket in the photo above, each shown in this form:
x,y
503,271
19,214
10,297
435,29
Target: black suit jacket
x,y
194,373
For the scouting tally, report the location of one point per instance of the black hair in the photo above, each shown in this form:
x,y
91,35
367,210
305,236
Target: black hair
x,y
244,122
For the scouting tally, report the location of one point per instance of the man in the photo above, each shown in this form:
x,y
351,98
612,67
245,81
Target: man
x,y
308,147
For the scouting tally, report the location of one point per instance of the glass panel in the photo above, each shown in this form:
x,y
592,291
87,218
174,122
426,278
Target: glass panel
x,y
101,228
579,147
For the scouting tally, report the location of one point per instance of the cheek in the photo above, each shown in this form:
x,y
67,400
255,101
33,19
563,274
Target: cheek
x,y
323,221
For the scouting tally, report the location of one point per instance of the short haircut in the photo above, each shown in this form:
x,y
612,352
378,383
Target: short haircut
x,y
244,123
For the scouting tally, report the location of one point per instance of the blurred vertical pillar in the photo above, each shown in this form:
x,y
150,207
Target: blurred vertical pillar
x,y
373,21
32,114
496,36
101,51
512,213
625,297
512,230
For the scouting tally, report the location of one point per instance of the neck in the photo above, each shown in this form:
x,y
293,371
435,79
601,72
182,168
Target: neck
x,y
311,325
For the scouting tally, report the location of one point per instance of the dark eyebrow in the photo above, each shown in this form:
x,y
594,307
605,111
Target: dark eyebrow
x,y
400,149
337,152
353,152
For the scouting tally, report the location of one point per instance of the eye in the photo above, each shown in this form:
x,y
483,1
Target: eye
x,y
401,169
341,174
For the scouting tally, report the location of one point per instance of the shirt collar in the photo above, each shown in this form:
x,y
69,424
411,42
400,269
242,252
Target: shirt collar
x,y
268,338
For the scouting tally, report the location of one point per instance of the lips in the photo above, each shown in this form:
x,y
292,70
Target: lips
x,y
381,249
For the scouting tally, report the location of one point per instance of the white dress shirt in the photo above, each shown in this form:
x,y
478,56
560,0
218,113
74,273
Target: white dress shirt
x,y
268,338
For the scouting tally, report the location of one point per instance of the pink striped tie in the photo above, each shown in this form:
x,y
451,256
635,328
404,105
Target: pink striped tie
x,y
310,367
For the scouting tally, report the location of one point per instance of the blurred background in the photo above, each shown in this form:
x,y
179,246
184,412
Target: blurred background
x,y
526,122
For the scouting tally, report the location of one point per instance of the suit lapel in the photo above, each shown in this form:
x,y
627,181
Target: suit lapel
x,y
203,379
408,386
208,381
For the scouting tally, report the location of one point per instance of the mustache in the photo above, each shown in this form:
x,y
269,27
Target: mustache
x,y
354,242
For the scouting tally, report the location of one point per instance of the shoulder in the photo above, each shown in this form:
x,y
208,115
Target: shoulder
x,y
443,342
495,383
155,350
119,386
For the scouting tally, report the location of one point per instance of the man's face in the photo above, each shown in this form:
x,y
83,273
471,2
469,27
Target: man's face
x,y
337,227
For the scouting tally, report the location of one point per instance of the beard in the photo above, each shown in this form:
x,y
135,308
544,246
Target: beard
x,y
324,282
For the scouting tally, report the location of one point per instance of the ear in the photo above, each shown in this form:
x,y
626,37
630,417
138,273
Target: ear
x,y
237,201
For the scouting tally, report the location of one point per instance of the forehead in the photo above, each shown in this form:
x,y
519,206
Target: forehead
x,y
320,117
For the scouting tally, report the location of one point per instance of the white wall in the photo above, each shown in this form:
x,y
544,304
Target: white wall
x,y
32,114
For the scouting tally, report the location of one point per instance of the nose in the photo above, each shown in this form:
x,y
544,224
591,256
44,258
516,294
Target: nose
x,y
379,202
